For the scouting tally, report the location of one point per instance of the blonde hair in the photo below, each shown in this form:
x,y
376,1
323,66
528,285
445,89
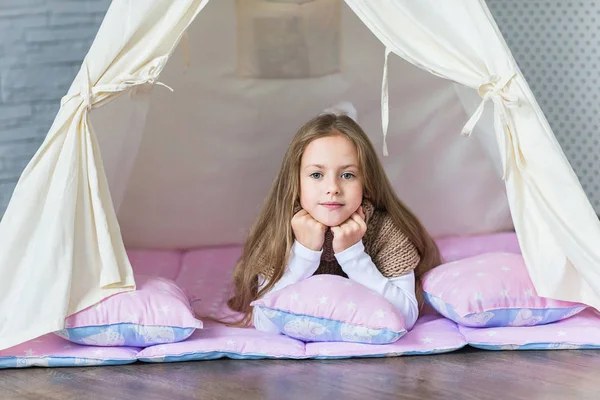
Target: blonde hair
x,y
271,237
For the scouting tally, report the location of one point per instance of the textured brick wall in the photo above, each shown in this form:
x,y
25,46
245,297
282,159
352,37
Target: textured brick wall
x,y
42,44
556,43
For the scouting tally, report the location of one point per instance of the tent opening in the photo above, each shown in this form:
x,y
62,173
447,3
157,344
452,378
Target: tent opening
x,y
195,173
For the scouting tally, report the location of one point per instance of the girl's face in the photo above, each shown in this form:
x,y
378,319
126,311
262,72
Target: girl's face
x,y
331,185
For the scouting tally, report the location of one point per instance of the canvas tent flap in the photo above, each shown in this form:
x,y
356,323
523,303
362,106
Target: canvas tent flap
x,y
62,249
555,223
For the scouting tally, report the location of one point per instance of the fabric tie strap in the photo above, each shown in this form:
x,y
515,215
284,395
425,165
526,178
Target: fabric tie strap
x,y
385,108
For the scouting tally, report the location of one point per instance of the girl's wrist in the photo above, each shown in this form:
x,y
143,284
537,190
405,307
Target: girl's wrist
x,y
304,252
352,252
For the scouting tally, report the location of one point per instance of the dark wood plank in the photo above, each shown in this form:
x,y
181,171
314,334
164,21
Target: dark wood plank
x,y
468,374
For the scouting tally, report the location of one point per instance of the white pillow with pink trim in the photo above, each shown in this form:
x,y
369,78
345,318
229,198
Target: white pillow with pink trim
x,y
491,290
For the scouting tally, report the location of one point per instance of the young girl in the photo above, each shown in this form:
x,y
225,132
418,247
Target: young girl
x,y
332,210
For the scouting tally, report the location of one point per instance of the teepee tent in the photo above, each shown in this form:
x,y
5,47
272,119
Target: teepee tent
x,y
129,164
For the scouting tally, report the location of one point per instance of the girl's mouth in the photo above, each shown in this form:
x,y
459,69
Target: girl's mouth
x,y
331,205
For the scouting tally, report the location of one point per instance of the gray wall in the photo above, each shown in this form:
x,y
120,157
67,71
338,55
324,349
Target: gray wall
x,y
557,46
42,44
555,42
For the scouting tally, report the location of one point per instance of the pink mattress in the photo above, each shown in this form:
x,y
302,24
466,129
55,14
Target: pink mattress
x,y
205,275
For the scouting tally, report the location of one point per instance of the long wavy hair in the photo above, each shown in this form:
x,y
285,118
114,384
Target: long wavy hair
x,y
271,237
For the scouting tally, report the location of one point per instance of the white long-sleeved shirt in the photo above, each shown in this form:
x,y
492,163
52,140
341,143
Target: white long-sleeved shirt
x,y
359,267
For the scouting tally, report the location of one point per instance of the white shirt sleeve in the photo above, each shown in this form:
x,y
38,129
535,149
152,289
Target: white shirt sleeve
x,y
302,265
399,291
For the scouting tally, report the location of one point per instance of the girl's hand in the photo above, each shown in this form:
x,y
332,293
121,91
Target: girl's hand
x,y
309,232
350,232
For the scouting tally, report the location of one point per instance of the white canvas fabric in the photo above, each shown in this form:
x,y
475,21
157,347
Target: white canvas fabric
x,y
62,249
190,168
556,225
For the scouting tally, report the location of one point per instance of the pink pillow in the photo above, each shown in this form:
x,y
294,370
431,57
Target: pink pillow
x,y
491,290
325,308
157,312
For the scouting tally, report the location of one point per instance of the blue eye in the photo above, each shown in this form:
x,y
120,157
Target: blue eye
x,y
347,175
316,175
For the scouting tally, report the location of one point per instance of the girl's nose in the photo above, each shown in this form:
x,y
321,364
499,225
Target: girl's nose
x,y
333,187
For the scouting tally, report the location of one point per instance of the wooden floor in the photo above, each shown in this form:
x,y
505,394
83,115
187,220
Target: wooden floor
x,y
468,374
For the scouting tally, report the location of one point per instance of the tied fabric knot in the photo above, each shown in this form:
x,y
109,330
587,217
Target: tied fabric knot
x,y
86,90
146,76
493,89
90,94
